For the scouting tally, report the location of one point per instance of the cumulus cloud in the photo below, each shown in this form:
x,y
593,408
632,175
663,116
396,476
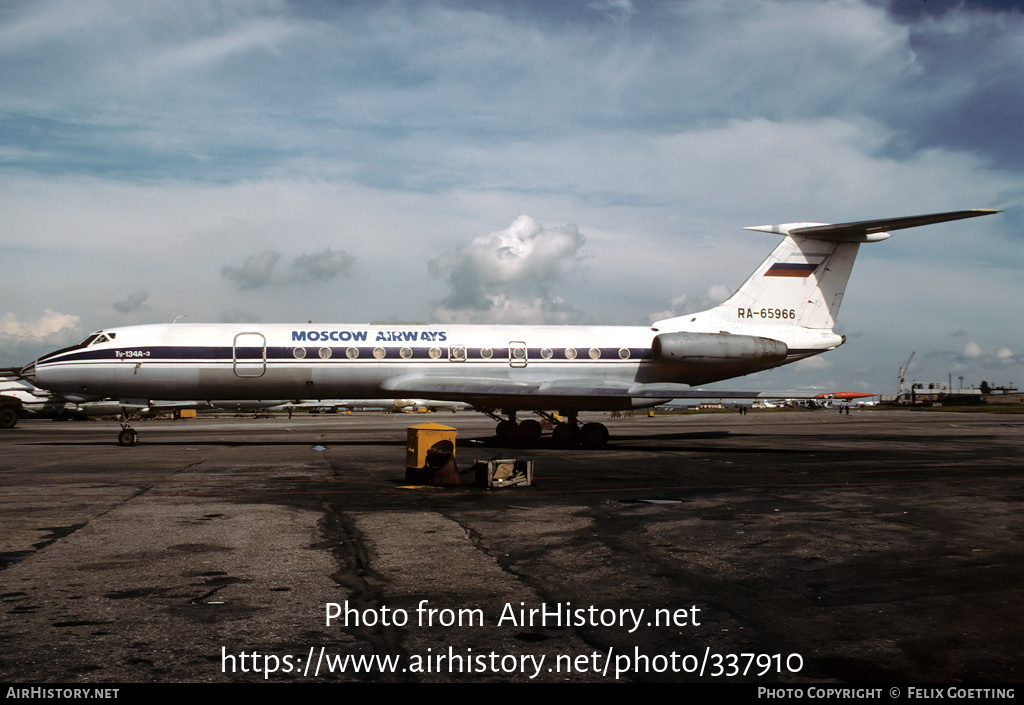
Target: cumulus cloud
x,y
506,275
256,271
974,356
971,351
48,324
260,271
134,302
317,267
23,341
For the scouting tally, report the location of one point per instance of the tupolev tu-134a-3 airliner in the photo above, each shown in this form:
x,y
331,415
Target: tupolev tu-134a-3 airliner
x,y
784,312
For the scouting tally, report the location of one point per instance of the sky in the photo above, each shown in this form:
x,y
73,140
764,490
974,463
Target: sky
x,y
519,161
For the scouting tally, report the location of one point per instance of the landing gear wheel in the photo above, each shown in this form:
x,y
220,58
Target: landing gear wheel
x,y
128,437
566,435
506,431
593,435
529,432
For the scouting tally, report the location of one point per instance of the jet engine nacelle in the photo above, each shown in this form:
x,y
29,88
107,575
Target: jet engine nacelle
x,y
715,349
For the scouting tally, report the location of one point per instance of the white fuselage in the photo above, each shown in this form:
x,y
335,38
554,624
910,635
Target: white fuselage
x,y
311,361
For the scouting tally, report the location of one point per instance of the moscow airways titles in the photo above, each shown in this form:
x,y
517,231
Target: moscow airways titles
x,y
381,336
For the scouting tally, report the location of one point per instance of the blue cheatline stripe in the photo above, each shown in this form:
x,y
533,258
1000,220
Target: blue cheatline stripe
x,y
168,354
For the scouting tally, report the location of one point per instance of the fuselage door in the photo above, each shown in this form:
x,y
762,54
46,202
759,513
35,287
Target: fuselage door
x,y
249,355
517,353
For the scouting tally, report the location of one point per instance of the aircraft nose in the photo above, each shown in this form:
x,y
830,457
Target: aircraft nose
x,y
28,372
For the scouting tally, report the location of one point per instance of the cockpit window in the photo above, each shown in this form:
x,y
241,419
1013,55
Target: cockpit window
x,y
97,337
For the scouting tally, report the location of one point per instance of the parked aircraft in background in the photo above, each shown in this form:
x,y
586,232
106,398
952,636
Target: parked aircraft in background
x,y
784,312
42,403
36,402
845,396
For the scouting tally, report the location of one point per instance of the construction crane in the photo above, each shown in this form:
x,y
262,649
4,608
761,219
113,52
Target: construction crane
x,y
903,372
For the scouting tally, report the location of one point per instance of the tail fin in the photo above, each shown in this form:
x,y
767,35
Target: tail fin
x,y
802,281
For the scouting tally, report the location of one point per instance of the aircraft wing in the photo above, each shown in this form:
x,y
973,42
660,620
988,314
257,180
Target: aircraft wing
x,y
504,392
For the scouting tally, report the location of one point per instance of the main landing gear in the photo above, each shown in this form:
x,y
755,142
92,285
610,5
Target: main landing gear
x,y
566,433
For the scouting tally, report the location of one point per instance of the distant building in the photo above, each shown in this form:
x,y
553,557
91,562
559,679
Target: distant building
x,y
937,395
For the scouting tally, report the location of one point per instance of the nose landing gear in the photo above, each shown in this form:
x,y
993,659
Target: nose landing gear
x,y
128,435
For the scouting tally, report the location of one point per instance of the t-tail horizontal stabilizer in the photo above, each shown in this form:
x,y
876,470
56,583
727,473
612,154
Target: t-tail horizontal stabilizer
x,y
867,230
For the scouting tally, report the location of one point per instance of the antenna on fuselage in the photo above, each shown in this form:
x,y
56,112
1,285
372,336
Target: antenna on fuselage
x,y
180,315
